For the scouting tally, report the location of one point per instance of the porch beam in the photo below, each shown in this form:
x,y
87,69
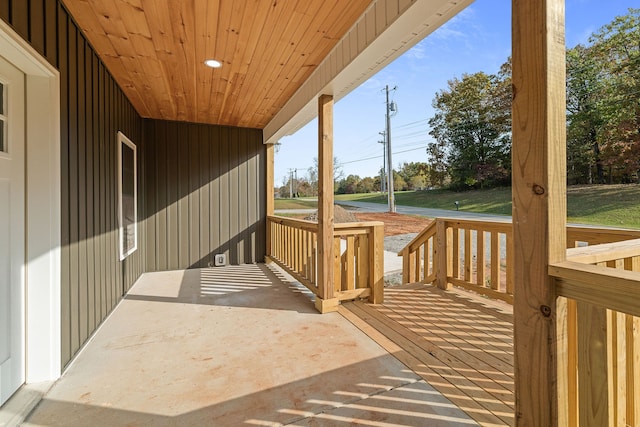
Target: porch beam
x,y
539,203
325,204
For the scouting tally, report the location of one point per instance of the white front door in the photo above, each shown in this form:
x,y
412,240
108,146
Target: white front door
x,y
12,230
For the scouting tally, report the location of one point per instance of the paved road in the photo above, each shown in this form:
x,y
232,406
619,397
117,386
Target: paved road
x,y
431,213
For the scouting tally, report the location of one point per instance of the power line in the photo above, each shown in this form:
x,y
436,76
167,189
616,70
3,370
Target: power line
x,y
379,157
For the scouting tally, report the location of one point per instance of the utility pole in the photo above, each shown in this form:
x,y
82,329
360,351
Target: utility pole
x,y
295,185
291,183
390,196
383,177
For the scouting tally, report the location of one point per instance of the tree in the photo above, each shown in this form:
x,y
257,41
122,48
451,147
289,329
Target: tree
x,y
584,116
348,185
417,182
616,48
409,171
399,184
366,185
472,125
438,168
312,174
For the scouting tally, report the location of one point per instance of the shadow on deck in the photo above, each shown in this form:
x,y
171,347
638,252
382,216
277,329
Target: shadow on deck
x,y
459,343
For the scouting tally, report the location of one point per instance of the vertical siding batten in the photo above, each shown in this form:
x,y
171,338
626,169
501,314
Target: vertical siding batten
x,y
73,187
65,296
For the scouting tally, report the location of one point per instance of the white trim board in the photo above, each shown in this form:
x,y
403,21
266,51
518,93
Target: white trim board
x,y
43,269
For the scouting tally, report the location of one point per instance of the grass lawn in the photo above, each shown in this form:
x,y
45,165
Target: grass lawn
x,y
296,204
613,205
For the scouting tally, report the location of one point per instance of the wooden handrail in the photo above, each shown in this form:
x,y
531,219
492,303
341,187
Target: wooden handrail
x,y
607,287
358,260
604,252
452,251
419,239
302,224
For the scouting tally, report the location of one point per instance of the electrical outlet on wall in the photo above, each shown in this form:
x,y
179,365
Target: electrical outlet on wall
x,y
220,260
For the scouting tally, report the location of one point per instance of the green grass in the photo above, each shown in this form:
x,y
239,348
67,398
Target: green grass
x,y
495,201
612,205
295,204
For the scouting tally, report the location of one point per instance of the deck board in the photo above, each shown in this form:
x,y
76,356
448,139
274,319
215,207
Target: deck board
x,y
460,344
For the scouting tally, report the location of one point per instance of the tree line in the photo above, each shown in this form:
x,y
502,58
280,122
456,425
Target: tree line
x,y
471,125
472,122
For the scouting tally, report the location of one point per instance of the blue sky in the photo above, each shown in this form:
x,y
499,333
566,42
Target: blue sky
x,y
478,39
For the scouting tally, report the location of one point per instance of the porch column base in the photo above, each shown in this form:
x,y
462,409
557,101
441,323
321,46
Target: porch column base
x,y
327,305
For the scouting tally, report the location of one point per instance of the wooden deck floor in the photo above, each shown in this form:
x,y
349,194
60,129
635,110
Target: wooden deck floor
x,y
460,344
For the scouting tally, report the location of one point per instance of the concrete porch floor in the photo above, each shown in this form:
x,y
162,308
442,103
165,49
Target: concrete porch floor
x,y
239,345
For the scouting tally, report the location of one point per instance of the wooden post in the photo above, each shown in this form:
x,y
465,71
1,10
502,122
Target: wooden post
x,y
325,205
376,265
539,202
270,197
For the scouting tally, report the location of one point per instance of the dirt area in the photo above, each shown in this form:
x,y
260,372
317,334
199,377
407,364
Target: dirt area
x,y
340,214
395,223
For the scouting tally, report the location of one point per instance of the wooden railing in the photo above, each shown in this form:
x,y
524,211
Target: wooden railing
x,y
476,255
470,254
598,288
358,256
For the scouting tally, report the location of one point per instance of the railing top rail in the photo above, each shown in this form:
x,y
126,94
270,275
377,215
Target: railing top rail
x,y
580,231
313,225
585,282
364,224
593,254
423,235
294,222
499,225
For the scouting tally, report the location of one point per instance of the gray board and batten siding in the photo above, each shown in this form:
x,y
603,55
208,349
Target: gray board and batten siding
x,y
205,194
230,209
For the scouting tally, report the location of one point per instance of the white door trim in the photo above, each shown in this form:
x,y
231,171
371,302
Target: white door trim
x,y
43,269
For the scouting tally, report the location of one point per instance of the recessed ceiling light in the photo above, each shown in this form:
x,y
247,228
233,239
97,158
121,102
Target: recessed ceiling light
x,y
213,63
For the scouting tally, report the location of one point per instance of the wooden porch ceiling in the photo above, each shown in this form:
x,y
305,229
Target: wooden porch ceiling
x,y
156,50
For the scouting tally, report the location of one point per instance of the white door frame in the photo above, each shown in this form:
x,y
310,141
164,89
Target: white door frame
x,y
42,257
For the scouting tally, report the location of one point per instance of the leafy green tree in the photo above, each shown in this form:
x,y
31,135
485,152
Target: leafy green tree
x,y
438,167
472,125
411,170
399,184
584,116
418,182
616,47
348,185
366,185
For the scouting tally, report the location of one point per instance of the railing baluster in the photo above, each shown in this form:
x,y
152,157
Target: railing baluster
x,y
495,261
428,259
509,262
467,254
480,259
338,269
350,267
592,365
456,252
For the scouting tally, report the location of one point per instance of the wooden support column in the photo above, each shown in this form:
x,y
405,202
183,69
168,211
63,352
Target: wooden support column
x,y
324,302
539,203
270,195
